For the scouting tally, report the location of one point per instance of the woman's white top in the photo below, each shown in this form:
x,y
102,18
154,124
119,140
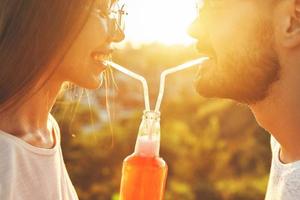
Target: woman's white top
x,y
32,173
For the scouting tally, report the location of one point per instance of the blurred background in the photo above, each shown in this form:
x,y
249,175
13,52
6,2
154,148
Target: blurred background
x,y
214,148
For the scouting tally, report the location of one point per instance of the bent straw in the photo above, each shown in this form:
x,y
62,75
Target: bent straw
x,y
173,70
135,76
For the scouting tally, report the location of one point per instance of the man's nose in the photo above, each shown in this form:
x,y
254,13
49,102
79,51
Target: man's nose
x,y
197,29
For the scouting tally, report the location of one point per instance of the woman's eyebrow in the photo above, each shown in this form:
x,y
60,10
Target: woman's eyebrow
x,y
112,2
103,3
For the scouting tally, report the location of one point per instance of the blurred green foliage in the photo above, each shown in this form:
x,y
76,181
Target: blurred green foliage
x,y
214,148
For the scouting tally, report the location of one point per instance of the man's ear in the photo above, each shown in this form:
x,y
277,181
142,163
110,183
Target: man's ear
x,y
291,24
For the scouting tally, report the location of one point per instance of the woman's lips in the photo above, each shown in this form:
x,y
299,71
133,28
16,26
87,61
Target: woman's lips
x,y
99,57
100,54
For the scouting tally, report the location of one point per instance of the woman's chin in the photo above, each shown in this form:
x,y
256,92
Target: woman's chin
x,y
90,84
95,85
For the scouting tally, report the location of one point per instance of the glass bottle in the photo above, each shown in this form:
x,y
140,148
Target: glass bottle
x,y
144,173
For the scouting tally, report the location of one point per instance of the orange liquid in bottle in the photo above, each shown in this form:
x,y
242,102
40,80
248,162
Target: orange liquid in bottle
x,y
143,178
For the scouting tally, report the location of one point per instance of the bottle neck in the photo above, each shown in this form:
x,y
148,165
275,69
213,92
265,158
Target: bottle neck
x,y
148,140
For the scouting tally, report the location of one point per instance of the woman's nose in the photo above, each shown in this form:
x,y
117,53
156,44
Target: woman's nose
x,y
118,34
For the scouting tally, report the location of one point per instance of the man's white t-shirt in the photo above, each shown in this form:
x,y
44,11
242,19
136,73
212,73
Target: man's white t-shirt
x,y
284,181
32,173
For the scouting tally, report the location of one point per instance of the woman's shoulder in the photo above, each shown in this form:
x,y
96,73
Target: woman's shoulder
x,y
7,150
6,142
11,145
55,127
7,156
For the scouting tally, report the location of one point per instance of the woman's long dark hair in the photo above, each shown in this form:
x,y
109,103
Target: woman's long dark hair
x,y
34,33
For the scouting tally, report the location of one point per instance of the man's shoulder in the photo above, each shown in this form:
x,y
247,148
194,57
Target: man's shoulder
x,y
290,182
274,143
292,171
284,185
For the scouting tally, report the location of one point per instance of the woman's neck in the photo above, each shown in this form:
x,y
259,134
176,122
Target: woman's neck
x,y
29,121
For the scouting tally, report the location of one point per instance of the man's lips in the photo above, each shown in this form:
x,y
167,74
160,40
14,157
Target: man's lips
x,y
206,49
204,67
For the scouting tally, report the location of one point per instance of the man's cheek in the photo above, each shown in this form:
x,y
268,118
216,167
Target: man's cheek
x,y
225,32
233,36
224,42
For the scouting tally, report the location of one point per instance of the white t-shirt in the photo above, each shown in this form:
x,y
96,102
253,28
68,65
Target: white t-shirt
x,y
32,173
284,181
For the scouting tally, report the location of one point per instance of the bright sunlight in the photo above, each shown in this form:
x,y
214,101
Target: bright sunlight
x,y
163,21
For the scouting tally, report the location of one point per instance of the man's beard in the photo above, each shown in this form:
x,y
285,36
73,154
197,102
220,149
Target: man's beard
x,y
246,74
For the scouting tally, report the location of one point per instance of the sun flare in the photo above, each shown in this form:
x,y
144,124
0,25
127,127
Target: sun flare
x,y
164,21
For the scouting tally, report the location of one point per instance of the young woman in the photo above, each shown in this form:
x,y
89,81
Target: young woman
x,y
43,44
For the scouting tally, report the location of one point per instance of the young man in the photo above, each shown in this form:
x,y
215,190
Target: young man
x,y
254,46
